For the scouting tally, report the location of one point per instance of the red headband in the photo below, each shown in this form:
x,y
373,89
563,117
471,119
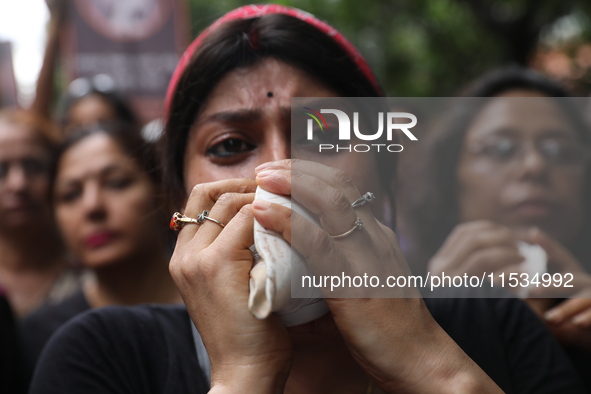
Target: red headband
x,y
258,10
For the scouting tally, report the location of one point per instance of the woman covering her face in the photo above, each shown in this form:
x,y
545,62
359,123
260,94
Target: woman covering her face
x,y
513,167
228,131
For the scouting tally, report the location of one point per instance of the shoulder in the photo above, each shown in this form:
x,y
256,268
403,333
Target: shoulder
x,y
144,318
116,326
36,329
52,316
509,342
147,348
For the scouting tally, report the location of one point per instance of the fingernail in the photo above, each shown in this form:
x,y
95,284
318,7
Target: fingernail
x,y
261,205
552,315
580,321
265,173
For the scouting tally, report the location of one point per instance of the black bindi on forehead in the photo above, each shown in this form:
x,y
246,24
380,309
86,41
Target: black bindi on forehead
x,y
269,94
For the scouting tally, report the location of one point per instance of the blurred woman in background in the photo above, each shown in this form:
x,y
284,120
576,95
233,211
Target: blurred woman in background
x,y
107,201
93,100
511,166
33,266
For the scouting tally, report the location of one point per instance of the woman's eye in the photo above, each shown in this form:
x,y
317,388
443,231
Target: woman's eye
x,y
500,149
318,137
553,149
68,196
118,183
562,151
505,148
230,147
326,137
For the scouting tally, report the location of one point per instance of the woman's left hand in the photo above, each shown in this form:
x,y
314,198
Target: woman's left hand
x,y
392,335
570,321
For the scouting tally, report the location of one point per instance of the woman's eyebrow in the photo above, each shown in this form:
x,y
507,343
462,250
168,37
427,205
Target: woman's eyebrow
x,y
555,132
504,131
105,171
112,168
245,115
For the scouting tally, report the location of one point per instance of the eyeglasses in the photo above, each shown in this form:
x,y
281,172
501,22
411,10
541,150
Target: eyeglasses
x,y
83,86
507,150
30,166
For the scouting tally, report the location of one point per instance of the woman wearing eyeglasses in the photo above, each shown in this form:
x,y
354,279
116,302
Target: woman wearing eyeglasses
x,y
511,166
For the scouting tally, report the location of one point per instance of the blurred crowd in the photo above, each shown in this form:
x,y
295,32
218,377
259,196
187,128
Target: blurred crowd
x,y
84,212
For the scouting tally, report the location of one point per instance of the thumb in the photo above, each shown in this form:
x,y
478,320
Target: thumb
x,y
559,258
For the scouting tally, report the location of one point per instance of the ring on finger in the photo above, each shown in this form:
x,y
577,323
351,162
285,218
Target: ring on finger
x,y
367,198
358,224
203,216
178,221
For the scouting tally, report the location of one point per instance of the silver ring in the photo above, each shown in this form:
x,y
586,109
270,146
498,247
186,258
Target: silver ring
x,y
367,198
358,224
203,216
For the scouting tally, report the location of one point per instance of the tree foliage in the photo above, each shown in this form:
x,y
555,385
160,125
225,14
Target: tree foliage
x,y
430,47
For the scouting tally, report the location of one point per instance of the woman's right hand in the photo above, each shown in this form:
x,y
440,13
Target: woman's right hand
x,y
211,267
476,247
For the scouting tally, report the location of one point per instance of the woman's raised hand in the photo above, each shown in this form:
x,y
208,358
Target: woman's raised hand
x,y
211,267
476,247
570,321
392,335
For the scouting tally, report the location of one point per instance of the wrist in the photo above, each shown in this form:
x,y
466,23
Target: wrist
x,y
442,367
249,379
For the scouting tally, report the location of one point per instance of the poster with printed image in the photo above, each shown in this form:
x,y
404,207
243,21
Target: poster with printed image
x,y
137,43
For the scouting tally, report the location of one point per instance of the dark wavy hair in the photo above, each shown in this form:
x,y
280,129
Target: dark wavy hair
x,y
122,108
47,132
229,47
429,198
